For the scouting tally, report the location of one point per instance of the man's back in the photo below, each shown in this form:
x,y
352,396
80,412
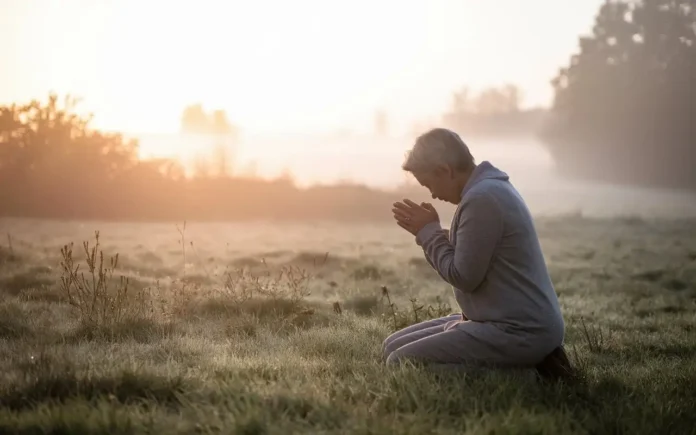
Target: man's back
x,y
516,292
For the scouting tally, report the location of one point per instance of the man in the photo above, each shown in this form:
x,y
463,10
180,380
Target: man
x,y
510,315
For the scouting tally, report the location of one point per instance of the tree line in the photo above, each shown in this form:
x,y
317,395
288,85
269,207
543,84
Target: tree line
x,y
53,164
625,106
495,112
624,111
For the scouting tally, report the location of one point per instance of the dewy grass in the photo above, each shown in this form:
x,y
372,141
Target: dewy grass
x,y
260,350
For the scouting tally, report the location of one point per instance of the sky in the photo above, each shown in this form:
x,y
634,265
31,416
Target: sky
x,y
282,66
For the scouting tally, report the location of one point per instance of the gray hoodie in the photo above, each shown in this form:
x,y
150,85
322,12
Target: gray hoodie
x,y
494,261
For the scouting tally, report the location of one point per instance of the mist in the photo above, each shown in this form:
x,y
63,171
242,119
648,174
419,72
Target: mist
x,y
599,122
199,227
375,161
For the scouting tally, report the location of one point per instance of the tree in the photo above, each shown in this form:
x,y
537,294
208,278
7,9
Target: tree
x,y
461,101
53,163
39,139
222,160
625,106
494,112
219,124
495,101
195,120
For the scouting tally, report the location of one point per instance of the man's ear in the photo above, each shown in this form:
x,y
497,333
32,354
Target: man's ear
x,y
444,170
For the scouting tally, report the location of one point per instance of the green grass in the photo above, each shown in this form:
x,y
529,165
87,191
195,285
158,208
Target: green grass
x,y
200,359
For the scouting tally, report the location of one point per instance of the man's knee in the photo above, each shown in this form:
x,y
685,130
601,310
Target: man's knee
x,y
402,355
394,358
388,347
385,343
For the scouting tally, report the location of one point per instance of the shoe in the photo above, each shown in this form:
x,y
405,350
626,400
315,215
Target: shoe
x,y
556,366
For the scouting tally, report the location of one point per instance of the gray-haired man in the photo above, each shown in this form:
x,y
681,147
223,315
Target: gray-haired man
x,y
510,315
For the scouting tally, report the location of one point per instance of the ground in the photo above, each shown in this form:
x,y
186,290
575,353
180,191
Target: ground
x,y
276,328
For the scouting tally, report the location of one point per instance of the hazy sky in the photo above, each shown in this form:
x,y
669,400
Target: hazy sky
x,y
282,65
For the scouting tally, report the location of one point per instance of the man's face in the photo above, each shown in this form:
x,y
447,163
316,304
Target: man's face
x,y
440,184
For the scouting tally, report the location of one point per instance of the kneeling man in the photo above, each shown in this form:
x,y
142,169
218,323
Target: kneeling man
x,y
510,315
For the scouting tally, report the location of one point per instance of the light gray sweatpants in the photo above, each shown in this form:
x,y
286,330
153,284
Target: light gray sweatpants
x,y
451,340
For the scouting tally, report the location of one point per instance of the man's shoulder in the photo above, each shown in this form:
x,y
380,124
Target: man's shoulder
x,y
481,197
490,188
496,192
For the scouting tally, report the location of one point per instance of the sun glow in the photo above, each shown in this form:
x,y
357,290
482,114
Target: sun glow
x,y
279,68
270,65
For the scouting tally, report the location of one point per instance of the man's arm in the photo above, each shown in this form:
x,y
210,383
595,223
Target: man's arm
x,y
478,234
437,232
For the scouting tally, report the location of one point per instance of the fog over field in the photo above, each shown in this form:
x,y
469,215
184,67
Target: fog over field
x,y
199,227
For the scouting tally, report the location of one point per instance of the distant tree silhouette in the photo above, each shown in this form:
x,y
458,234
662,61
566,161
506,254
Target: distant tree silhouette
x,y
51,158
222,157
494,112
38,139
226,134
625,107
220,125
53,164
495,101
194,120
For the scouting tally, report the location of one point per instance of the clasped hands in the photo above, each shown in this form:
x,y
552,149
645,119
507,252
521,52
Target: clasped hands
x,y
413,217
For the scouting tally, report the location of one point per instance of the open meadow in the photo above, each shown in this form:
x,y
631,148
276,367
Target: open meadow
x,y
256,328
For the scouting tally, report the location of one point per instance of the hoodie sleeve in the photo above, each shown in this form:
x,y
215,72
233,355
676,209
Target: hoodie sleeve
x,y
479,230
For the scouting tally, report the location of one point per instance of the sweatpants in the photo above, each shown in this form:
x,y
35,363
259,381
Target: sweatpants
x,y
451,340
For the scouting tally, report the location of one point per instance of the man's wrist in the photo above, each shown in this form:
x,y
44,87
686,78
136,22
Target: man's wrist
x,y
427,232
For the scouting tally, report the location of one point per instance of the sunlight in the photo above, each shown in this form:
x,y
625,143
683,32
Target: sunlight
x,y
282,70
295,72
275,66
347,216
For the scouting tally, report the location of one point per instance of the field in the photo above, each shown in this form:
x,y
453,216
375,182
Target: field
x,y
252,329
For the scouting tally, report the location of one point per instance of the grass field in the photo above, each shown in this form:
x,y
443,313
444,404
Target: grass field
x,y
211,339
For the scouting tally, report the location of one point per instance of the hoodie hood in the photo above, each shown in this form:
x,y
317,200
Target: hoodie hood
x,y
484,171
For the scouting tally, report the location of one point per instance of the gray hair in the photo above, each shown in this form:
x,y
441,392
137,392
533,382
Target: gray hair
x,y
435,147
